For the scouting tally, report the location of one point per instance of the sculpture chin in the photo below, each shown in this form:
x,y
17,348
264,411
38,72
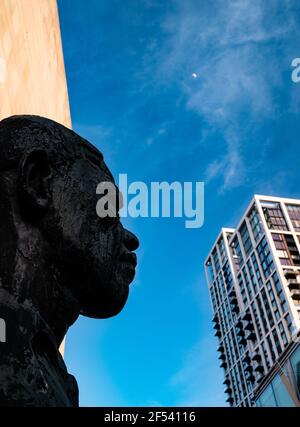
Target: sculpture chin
x,y
127,272
109,302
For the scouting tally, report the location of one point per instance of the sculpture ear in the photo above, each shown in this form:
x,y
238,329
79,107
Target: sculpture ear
x,y
33,185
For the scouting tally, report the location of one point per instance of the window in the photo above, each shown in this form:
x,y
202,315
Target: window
x,y
270,345
265,257
221,317
274,216
213,298
277,343
273,300
256,268
227,275
242,288
282,333
286,249
216,260
294,214
264,349
226,320
252,277
220,286
255,224
267,307
228,311
245,236
262,313
222,250
248,285
257,321
289,323
210,271
280,294
237,254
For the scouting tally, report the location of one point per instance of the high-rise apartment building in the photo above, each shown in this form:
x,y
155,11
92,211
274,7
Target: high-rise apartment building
x,y
253,274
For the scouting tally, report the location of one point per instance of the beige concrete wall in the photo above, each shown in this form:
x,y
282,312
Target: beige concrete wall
x,y
32,72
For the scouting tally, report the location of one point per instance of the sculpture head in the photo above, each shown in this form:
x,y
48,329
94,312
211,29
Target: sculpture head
x,y
53,244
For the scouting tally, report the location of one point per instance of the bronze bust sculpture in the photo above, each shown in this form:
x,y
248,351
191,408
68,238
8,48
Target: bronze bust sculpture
x,y
58,258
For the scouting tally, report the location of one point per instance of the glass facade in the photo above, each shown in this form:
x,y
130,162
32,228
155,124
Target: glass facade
x,y
295,363
284,388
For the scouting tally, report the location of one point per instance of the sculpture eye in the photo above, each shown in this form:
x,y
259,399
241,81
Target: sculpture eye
x,y
109,223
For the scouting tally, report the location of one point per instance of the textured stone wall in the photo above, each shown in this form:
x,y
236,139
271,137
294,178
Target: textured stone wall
x,y
32,72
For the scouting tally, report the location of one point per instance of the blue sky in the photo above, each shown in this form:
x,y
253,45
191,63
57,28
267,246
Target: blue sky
x,y
236,127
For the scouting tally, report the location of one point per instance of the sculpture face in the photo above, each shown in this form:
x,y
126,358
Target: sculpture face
x,y
96,251
58,258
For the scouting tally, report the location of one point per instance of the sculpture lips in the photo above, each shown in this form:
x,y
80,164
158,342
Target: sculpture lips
x,y
129,257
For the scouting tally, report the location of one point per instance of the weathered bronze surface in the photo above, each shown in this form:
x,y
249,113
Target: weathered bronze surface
x,y
58,258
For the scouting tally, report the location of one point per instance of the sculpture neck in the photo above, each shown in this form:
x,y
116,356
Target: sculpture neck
x,y
29,275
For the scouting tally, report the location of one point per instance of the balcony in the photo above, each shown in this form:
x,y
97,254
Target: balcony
x,y
241,333
221,348
242,342
248,369
232,293
290,274
295,294
251,336
235,307
249,327
223,365
228,390
226,381
215,318
293,284
239,324
222,357
233,301
260,378
259,369
247,359
250,378
230,400
246,317
256,357
218,334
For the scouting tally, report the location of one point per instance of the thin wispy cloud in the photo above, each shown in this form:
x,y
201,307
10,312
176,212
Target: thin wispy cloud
x,y
232,48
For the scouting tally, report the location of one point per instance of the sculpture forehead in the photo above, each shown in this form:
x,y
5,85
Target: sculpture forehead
x,y
89,151
22,133
93,155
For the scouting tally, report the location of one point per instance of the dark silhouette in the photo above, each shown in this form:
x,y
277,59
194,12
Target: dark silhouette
x,y
58,258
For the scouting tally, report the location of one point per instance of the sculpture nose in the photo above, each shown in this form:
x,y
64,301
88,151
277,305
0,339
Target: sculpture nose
x,y
130,240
